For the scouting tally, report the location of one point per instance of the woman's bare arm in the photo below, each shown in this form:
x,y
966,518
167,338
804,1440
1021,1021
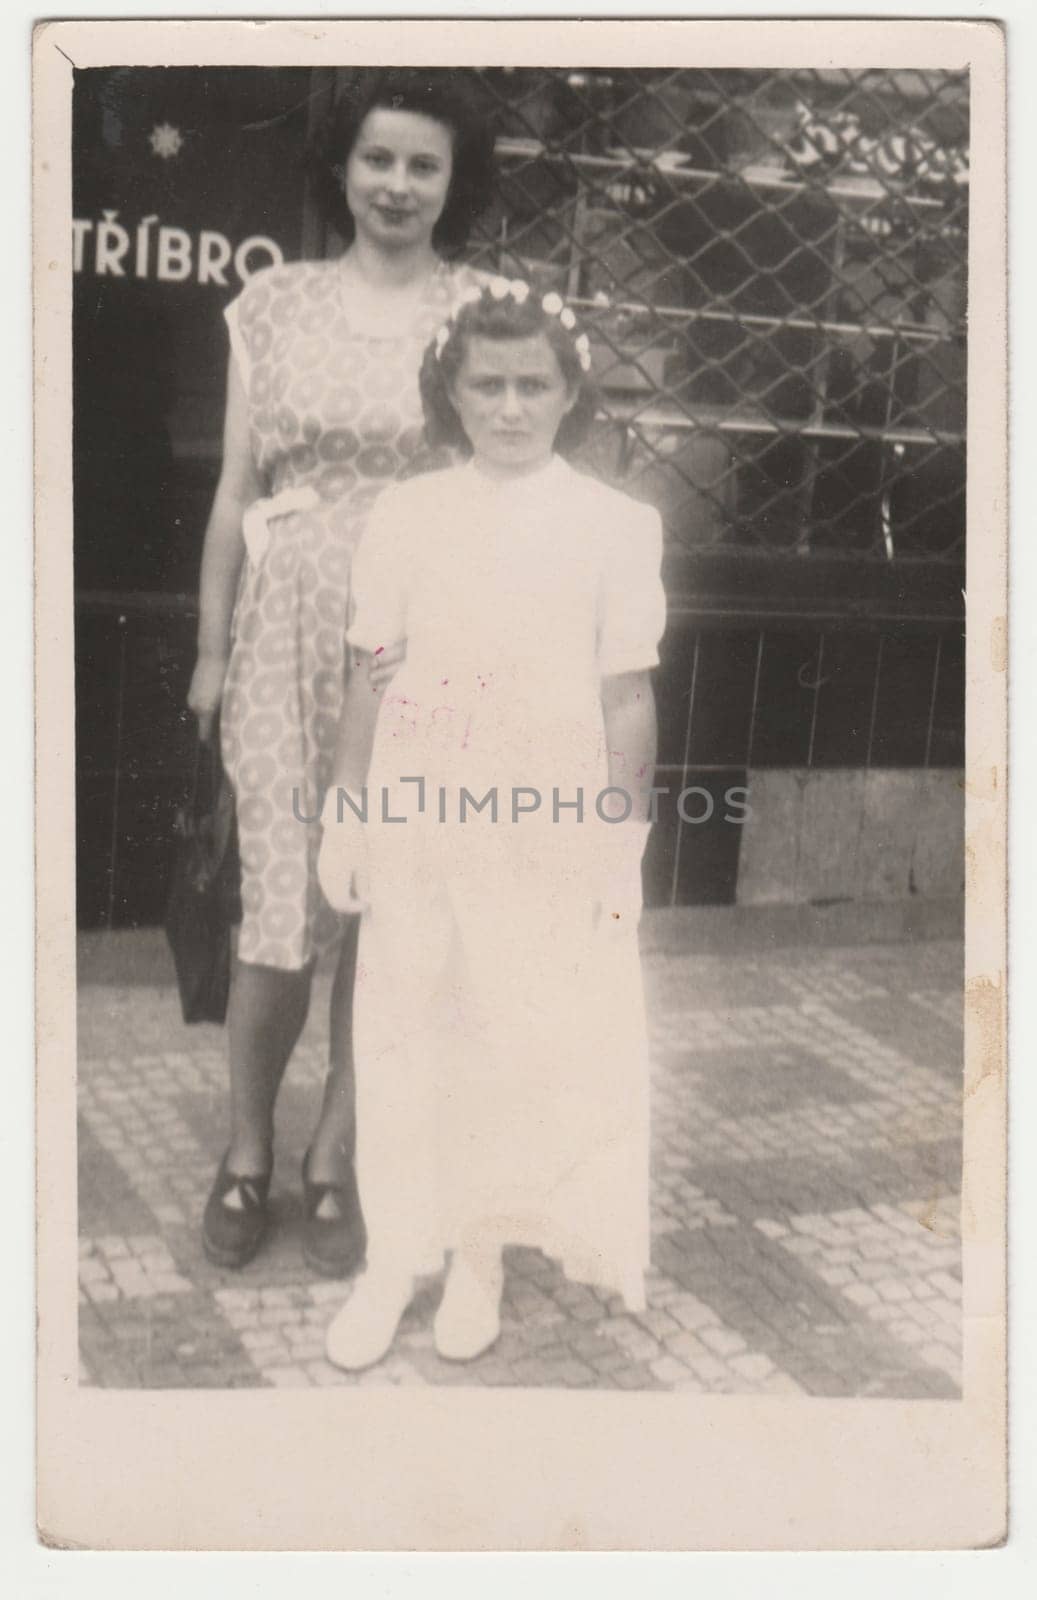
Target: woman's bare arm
x,y
222,554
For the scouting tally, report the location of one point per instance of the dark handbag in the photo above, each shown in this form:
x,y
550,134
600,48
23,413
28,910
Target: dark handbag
x,y
205,890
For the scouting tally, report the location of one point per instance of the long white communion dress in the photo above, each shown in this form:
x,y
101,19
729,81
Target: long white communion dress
x,y
502,1068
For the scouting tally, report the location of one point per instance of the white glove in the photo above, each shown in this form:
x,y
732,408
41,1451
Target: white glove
x,y
343,855
622,898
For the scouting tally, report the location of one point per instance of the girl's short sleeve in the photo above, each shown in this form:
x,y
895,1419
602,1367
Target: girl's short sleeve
x,y
378,602
633,601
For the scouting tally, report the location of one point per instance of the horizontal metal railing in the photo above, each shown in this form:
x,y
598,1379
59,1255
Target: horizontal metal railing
x,y
774,711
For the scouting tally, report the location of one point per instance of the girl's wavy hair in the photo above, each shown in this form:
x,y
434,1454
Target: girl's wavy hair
x,y
506,318
444,94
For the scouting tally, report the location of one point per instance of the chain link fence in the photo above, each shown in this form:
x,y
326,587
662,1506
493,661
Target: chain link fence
x,y
772,269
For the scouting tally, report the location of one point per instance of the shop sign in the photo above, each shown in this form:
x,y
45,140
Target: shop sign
x,y
152,249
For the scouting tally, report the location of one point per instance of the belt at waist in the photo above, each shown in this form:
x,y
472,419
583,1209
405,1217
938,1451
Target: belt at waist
x,y
255,524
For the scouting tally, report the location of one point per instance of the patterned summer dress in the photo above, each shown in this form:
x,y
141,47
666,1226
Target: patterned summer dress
x,y
334,415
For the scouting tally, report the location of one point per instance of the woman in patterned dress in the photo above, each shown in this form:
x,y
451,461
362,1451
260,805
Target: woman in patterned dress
x,y
322,412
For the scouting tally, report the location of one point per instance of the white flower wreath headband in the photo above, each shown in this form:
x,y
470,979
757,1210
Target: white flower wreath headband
x,y
519,291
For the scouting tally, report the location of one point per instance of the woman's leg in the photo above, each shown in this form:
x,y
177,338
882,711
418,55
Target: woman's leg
x,y
334,1142
266,1015
334,1236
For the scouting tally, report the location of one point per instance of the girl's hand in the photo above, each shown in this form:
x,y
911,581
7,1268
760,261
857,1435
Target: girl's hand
x,y
206,691
342,859
622,897
383,666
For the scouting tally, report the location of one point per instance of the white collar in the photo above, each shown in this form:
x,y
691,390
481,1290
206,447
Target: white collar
x,y
553,469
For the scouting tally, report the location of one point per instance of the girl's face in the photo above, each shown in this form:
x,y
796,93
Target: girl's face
x,y
398,177
511,397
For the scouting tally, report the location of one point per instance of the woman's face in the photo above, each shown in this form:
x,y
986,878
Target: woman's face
x,y
511,397
398,177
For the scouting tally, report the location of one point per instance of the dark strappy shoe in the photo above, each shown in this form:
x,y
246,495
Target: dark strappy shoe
x,y
334,1237
232,1234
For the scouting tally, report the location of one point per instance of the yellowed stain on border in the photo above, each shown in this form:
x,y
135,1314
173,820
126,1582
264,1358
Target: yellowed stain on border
x,y
984,1009
999,644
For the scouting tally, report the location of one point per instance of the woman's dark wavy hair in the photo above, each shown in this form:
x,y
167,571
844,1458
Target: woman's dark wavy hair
x,y
445,95
507,318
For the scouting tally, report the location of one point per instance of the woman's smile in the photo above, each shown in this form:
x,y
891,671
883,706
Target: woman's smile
x,y
398,176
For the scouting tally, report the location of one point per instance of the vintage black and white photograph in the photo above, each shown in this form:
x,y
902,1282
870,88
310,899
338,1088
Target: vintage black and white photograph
x,y
744,293
519,543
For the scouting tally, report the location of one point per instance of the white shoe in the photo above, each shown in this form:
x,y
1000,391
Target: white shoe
x,y
362,1332
468,1319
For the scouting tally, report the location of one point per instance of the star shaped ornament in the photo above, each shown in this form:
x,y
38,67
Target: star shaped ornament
x,y
165,140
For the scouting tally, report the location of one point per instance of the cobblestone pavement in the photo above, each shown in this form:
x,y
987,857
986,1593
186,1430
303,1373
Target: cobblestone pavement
x,y
806,1165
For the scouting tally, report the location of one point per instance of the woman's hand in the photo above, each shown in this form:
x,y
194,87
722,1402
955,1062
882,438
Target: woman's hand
x,y
206,691
343,856
383,666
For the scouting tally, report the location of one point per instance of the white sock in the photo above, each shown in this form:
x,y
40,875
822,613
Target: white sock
x,y
363,1331
468,1319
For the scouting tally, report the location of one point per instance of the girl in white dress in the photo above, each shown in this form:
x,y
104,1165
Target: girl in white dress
x,y
489,814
